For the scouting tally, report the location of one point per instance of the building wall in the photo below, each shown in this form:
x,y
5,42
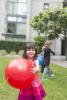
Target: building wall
x,y
56,46
28,20
2,18
33,8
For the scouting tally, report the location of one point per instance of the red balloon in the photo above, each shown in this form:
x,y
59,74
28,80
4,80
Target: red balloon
x,y
18,74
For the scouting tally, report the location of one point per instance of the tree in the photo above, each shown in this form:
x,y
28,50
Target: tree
x,y
37,23
51,23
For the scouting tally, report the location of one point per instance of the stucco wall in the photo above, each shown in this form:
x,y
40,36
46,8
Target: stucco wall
x,y
2,17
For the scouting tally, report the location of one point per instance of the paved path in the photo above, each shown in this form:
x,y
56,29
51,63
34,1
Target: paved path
x,y
61,63
57,62
11,56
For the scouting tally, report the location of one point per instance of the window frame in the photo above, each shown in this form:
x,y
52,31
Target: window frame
x,y
17,16
44,8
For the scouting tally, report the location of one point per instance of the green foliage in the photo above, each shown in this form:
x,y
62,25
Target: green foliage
x,y
20,52
12,53
12,45
3,52
51,23
39,41
37,24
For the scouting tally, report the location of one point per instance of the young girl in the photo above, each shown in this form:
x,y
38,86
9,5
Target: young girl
x,y
36,90
46,60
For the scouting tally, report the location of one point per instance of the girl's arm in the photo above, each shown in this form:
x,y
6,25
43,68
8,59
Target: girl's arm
x,y
52,52
36,69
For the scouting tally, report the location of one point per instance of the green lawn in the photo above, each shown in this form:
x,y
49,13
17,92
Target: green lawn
x,y
56,88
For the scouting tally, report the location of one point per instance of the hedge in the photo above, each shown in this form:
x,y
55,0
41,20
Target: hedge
x,y
12,45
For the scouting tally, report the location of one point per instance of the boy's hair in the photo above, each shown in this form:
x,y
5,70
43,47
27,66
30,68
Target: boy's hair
x,y
30,45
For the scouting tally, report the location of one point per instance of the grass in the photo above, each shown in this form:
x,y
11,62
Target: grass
x,y
56,88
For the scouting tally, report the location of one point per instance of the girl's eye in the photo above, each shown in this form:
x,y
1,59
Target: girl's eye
x,y
33,49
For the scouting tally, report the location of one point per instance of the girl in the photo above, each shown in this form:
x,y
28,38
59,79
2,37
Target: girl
x,y
46,60
36,90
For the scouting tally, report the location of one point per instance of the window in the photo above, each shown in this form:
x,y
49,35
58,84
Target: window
x,y
21,19
12,0
16,8
21,9
12,19
45,6
64,4
16,18
10,10
22,1
21,28
16,24
18,1
11,27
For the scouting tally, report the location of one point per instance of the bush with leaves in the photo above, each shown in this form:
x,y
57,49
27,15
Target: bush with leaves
x,y
3,52
39,41
20,52
12,53
12,45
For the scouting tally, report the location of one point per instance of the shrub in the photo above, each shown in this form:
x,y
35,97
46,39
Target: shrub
x,y
20,52
3,52
39,41
12,45
12,53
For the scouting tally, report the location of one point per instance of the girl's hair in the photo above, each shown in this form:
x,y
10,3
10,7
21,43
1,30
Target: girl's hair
x,y
30,45
47,44
43,48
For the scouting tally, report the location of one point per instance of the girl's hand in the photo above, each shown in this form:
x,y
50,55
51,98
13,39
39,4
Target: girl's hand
x,y
35,67
34,70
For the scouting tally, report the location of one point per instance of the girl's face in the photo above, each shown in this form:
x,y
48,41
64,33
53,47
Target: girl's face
x,y
31,52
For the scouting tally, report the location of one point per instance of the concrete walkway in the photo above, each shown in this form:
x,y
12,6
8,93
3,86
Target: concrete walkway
x,y
61,63
11,56
57,62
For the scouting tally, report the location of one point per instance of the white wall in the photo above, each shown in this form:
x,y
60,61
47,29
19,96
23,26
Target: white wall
x,y
36,6
2,17
56,46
